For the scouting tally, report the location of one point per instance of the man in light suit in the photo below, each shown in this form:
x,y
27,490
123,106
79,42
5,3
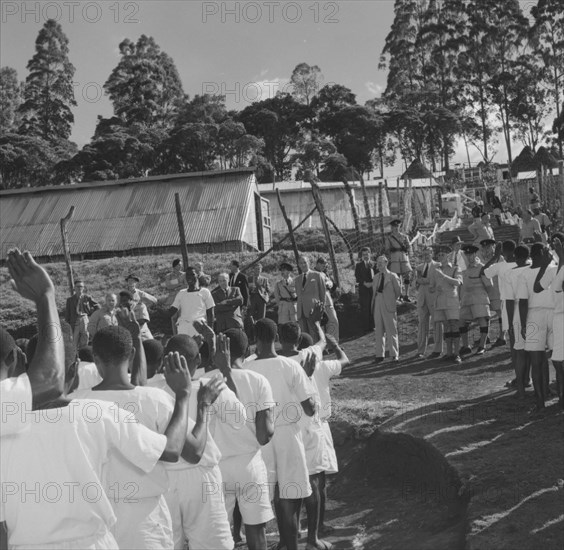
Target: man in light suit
x,y
386,290
332,319
228,302
426,306
310,288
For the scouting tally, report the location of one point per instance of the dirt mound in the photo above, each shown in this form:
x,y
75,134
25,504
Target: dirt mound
x,y
402,492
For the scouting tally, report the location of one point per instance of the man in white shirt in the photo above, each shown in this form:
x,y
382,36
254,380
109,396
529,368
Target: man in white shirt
x,y
65,459
44,380
536,310
192,304
519,356
245,478
285,454
555,283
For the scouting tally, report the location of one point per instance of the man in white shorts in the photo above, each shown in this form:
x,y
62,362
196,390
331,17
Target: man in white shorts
x,y
536,310
192,304
63,459
285,454
245,478
555,283
196,498
519,356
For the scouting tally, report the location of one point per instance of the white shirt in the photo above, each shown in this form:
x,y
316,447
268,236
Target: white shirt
x,y
60,464
192,306
525,290
152,408
88,376
15,399
500,270
324,371
553,280
290,386
255,394
211,455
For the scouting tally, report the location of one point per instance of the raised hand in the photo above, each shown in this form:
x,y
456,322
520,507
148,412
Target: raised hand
x,y
332,343
127,320
204,329
309,364
29,279
176,373
207,394
222,359
317,311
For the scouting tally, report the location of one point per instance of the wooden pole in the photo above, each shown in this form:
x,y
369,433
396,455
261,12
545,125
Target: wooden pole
x,y
381,212
398,199
342,235
181,231
321,210
278,243
290,229
66,250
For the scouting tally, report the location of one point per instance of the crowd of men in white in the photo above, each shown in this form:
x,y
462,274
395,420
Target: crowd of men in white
x,y
147,448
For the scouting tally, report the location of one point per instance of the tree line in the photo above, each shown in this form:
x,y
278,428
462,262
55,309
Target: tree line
x,y
470,70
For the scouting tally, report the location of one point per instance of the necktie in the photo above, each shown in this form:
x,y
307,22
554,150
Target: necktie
x,y
79,305
455,258
426,270
303,281
381,285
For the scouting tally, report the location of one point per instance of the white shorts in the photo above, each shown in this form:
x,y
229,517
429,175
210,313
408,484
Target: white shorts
x,y
195,499
539,329
557,333
104,541
333,465
286,464
317,456
245,480
144,524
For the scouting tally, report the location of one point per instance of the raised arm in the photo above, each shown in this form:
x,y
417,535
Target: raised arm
x,y
46,371
127,320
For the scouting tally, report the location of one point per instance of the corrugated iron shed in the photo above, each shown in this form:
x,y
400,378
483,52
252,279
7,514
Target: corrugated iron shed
x,y
130,214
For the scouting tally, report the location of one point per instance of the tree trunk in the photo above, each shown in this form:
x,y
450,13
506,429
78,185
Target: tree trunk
x,y
356,219
366,203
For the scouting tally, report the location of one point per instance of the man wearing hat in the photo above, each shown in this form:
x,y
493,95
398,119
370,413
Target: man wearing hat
x,y
446,283
474,300
399,249
426,306
132,281
456,256
486,254
481,229
285,295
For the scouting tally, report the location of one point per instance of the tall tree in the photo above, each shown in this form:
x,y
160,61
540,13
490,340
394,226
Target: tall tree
x,y
11,96
145,86
49,95
306,82
548,41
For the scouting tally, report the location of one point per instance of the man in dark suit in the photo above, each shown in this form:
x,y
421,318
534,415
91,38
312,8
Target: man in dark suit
x,y
228,302
259,293
78,308
236,278
310,289
364,273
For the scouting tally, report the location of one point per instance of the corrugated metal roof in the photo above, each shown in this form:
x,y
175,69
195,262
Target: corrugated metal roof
x,y
129,215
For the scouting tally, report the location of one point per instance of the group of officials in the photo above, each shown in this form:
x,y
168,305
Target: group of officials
x,y
153,445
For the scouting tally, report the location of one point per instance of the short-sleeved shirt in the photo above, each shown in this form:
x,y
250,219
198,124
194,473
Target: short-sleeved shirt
x,y
553,281
15,398
446,293
152,408
500,270
192,306
290,386
474,289
60,464
525,290
529,228
255,394
100,319
324,371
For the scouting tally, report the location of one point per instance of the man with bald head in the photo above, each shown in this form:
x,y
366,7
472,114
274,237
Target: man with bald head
x,y
104,317
228,301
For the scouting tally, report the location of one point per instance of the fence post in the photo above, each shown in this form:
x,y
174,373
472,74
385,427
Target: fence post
x,y
181,231
66,249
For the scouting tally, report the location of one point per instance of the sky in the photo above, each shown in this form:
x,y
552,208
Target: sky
x,y
245,50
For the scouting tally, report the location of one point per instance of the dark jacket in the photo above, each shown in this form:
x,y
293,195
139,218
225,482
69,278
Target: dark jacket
x,y
227,308
72,309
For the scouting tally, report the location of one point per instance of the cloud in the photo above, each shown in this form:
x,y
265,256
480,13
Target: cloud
x,y
374,88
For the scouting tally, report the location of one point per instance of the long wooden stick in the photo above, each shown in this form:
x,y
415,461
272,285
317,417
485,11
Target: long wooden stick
x,y
345,240
66,250
290,229
278,243
181,231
